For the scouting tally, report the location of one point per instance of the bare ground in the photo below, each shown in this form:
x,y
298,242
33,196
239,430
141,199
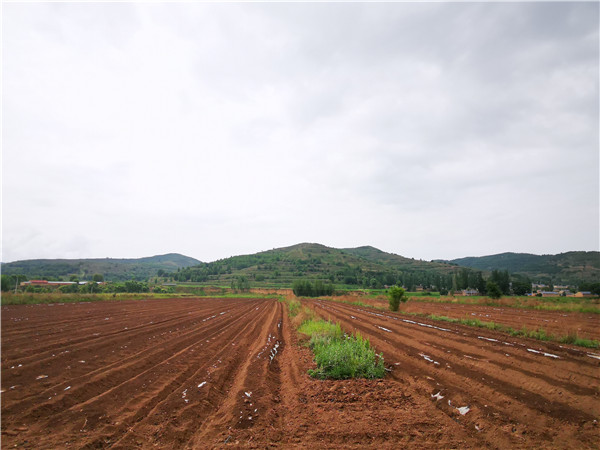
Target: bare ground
x,y
202,373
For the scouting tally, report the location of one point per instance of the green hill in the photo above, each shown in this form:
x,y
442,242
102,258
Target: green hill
x,y
570,267
112,269
351,267
362,266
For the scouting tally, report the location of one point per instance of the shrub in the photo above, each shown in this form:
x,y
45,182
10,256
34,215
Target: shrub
x,y
493,290
396,295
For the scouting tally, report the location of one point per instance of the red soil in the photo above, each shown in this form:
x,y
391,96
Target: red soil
x,y
521,392
197,373
584,325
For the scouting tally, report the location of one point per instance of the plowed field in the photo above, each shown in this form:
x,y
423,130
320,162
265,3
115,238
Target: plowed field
x,y
203,373
584,325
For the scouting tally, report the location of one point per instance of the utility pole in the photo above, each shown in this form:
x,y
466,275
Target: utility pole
x,y
16,284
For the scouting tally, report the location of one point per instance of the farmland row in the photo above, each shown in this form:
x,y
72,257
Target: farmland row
x,y
166,373
515,391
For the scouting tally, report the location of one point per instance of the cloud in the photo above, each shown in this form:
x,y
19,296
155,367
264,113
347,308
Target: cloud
x,y
429,130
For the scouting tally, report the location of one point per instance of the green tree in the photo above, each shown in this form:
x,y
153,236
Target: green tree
x,y
493,290
135,286
90,287
98,277
241,283
594,288
521,286
480,283
8,283
396,295
69,289
502,280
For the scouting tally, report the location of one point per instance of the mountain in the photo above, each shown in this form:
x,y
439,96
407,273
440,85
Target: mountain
x,y
112,269
362,266
570,267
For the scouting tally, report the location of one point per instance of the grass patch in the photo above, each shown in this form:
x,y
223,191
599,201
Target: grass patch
x,y
339,356
293,307
573,339
321,329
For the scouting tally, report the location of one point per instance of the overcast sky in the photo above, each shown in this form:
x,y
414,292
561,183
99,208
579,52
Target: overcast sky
x,y
429,130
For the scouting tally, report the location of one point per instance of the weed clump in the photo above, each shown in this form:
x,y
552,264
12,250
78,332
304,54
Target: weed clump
x,y
340,356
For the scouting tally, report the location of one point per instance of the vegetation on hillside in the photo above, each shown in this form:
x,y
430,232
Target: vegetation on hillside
x,y
564,268
111,269
318,268
367,268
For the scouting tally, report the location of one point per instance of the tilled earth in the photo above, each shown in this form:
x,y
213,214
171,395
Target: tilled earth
x,y
203,373
559,323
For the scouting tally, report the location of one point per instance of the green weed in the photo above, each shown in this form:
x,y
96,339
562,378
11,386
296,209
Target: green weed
x,y
339,356
349,357
294,307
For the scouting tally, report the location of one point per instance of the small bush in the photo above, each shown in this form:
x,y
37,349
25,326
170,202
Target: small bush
x,y
493,290
396,295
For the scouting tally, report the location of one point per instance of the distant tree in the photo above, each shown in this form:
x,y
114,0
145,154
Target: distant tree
x,y
594,288
463,278
90,287
69,289
135,286
304,288
98,277
241,283
396,295
521,286
502,280
480,283
8,283
493,290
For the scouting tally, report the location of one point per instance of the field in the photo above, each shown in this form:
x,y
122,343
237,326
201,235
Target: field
x,y
197,373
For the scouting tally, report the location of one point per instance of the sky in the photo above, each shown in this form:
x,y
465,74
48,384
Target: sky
x,y
430,130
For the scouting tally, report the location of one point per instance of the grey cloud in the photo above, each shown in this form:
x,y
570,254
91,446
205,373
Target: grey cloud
x,y
387,118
